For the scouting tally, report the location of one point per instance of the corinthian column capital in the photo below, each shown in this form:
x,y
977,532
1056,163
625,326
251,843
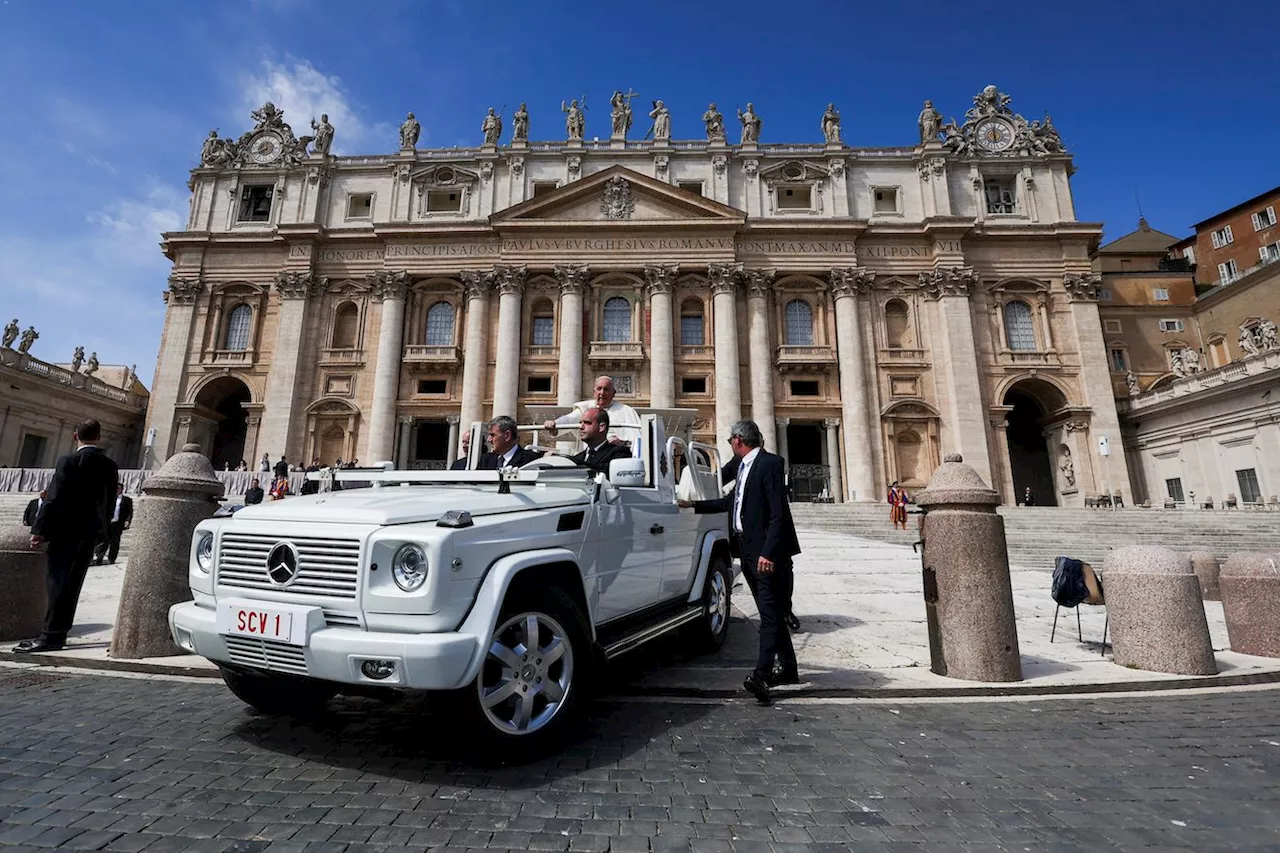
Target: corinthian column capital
x,y
572,278
956,281
660,278
510,279
760,282
1082,288
291,284
183,291
724,278
388,284
850,281
477,283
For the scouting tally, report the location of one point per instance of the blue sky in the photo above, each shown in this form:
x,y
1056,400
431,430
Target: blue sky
x,y
107,104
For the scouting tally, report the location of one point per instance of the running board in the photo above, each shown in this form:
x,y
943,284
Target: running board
x,y
644,635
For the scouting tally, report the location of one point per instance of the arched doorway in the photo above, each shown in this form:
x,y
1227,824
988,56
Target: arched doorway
x,y
221,403
1030,461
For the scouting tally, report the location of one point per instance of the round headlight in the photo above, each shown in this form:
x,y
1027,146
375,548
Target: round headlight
x,y
204,551
409,567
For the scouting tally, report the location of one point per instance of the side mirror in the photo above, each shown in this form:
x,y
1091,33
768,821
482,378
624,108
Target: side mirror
x,y
606,490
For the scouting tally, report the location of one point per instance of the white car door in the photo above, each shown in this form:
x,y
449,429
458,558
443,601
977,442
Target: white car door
x,y
701,477
629,576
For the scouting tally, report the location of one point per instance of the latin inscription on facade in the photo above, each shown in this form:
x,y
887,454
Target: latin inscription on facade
x,y
619,244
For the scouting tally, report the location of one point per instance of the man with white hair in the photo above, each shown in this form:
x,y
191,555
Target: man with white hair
x,y
620,414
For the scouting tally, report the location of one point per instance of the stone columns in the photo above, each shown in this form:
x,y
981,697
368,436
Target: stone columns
x,y
966,421
846,283
278,413
661,279
783,450
389,288
452,452
573,279
725,280
406,433
760,352
832,428
165,394
506,372
475,364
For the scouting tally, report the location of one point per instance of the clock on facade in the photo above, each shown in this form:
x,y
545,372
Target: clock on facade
x,y
994,135
265,148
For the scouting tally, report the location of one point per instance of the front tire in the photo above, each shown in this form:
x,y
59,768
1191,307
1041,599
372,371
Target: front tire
x,y
278,695
709,632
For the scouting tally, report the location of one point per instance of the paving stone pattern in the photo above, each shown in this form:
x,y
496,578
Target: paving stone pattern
x,y
99,763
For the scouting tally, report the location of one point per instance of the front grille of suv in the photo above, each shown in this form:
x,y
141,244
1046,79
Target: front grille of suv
x,y
326,567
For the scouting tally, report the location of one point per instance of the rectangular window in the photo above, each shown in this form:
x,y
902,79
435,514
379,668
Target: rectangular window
x,y
1001,197
432,386
690,186
693,384
1174,489
1227,271
1222,237
691,332
1111,326
444,201
1171,325
1162,294
537,385
795,198
1264,219
255,203
543,187
360,206
1190,254
1104,294
1119,362
543,332
1248,480
805,388
885,199
1271,253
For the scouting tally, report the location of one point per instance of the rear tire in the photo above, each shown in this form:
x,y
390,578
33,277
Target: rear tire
x,y
279,695
709,632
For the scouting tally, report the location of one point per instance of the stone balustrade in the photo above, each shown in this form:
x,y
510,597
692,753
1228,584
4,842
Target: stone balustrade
x,y
1236,371
53,373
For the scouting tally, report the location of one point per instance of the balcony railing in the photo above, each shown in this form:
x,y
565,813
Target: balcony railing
x,y
790,357
60,375
1236,371
542,353
900,354
696,352
1024,358
423,354
1232,279
342,355
616,351
230,356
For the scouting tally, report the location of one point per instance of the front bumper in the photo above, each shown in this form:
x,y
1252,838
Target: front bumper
x,y
444,661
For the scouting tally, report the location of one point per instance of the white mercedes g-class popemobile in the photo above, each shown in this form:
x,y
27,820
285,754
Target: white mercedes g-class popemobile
x,y
503,587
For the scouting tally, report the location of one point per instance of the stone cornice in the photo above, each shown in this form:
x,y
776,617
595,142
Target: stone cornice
x,y
956,281
660,278
388,284
292,284
724,278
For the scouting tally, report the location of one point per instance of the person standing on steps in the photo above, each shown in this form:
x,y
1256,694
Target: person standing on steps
x,y
121,519
78,511
761,518
898,501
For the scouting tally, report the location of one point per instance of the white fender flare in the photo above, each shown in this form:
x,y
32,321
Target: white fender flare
x,y
704,563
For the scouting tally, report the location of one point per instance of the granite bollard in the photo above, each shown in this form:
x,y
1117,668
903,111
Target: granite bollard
x,y
174,500
22,584
1250,585
1206,569
966,566
1156,612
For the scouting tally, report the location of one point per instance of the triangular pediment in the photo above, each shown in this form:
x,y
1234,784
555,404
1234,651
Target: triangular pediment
x,y
619,196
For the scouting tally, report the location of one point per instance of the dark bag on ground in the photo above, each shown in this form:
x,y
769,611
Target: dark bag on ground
x,y
1069,589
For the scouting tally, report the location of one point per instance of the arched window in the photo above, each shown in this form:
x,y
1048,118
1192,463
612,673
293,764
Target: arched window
x,y
346,321
542,329
692,325
238,328
1019,329
895,323
798,318
440,325
617,319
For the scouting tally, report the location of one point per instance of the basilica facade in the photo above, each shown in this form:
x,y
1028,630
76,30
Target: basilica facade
x,y
873,309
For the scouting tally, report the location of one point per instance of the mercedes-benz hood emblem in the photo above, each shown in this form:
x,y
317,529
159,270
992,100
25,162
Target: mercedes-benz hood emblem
x,y
282,563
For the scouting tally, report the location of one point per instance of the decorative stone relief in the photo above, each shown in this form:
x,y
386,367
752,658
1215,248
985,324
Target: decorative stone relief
x,y
661,164
957,281
291,284
617,203
719,163
575,166
1066,466
992,129
836,165
270,143
931,167
724,278
318,175
1076,426
510,279
751,168
1082,288
388,284
849,281
760,282
660,278
572,278
402,171
183,291
486,171
477,283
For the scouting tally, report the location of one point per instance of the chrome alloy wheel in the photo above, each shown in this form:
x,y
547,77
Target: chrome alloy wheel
x,y
527,674
718,606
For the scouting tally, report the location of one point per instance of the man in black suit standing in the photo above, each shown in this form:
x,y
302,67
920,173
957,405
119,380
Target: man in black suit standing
x,y
78,510
32,511
728,474
593,431
761,518
506,452
121,518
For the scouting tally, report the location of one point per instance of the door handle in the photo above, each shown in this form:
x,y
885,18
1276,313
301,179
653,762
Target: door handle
x,y
656,529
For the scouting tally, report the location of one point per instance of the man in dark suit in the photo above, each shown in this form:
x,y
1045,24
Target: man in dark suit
x,y
79,508
506,452
253,495
282,467
121,518
32,511
728,474
761,518
460,464
593,431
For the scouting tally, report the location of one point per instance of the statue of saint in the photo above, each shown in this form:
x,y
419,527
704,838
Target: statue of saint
x,y
11,333
1267,331
1191,360
1067,467
750,125
215,151
92,367
621,114
77,359
715,124
1131,382
930,123
491,127
1177,362
661,116
409,132
520,125
831,125
131,378
574,122
1247,343
324,135
28,338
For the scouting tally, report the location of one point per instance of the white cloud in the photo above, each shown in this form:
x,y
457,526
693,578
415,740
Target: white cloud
x,y
304,93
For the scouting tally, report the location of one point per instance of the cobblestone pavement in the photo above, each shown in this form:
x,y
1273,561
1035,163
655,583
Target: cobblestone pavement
x,y
92,762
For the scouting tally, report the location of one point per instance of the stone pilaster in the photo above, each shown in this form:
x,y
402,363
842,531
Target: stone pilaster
x,y
831,426
406,433
506,372
475,365
966,421
660,280
182,295
279,414
783,449
759,353
573,279
726,280
451,453
846,283
390,289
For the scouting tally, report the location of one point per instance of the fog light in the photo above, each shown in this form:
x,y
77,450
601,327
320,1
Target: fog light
x,y
184,639
378,669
